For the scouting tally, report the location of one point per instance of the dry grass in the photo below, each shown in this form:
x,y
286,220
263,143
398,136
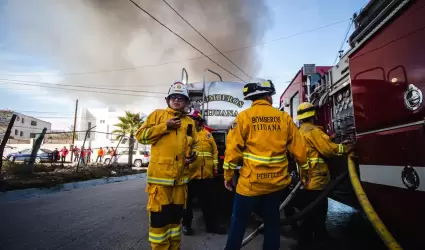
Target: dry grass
x,y
20,176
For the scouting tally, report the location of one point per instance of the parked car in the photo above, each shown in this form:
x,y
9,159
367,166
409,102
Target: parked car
x,y
140,158
43,155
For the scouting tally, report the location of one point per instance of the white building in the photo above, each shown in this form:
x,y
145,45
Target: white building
x,y
25,127
103,120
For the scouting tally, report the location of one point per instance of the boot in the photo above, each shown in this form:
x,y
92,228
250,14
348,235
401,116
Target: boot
x,y
215,229
187,229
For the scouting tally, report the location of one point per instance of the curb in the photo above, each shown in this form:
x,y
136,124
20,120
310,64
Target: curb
x,y
38,192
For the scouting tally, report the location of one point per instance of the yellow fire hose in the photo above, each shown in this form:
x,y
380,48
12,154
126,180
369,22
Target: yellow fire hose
x,y
374,219
380,228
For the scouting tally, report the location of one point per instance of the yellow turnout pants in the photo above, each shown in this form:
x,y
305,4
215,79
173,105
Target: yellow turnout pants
x,y
165,207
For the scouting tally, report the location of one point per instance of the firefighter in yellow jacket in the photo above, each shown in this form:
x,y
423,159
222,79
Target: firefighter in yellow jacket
x,y
172,135
315,175
261,137
201,184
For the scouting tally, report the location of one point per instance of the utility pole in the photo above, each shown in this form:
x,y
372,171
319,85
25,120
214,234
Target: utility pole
x,y
73,132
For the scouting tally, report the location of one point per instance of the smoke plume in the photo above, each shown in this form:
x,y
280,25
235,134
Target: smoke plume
x,y
112,44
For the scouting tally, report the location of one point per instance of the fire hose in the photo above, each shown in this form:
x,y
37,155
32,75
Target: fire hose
x,y
304,212
374,219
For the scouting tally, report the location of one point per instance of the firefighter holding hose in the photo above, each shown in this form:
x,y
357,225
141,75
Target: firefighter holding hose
x,y
260,136
201,184
171,133
315,175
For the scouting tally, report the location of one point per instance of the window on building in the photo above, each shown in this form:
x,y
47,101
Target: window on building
x,y
21,133
23,120
16,132
33,123
32,135
102,121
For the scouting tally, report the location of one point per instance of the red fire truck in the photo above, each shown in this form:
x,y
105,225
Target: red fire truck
x,y
374,96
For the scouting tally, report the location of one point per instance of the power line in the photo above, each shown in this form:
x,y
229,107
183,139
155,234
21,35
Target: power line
x,y
41,112
65,118
183,60
343,41
191,45
70,114
286,37
113,70
81,90
86,87
205,38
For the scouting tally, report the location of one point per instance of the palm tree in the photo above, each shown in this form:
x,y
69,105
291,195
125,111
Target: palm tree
x,y
128,126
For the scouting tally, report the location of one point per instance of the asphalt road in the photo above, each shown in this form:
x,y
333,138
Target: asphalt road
x,y
111,216
114,216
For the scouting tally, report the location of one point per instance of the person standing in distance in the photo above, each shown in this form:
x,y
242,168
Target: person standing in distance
x,y
169,132
261,137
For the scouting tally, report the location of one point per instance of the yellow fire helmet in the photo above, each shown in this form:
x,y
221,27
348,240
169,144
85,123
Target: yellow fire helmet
x,y
305,110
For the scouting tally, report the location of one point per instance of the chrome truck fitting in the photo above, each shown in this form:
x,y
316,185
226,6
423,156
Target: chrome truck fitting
x,y
203,88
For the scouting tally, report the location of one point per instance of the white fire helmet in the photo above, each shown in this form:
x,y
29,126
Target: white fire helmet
x,y
178,88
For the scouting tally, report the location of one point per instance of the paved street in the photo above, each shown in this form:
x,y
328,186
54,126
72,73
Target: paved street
x,y
113,216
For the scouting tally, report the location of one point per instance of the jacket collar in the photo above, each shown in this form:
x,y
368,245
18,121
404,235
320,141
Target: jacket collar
x,y
308,124
261,102
175,112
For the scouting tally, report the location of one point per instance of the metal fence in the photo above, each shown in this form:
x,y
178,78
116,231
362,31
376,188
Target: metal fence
x,y
58,146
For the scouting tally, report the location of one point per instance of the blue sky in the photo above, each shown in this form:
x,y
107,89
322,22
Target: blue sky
x,y
47,38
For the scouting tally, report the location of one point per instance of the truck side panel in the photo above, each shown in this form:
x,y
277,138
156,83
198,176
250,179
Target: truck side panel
x,y
390,137
384,66
293,95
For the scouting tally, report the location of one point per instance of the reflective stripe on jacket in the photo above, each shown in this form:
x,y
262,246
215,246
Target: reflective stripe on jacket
x,y
261,136
315,174
207,160
169,147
